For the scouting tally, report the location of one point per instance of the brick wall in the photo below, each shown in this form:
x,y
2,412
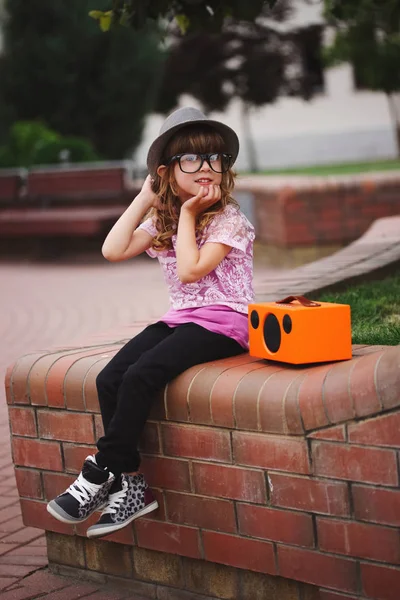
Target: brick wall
x,y
301,211
266,474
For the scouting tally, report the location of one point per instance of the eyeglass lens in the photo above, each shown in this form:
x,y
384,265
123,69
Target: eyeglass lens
x,y
190,163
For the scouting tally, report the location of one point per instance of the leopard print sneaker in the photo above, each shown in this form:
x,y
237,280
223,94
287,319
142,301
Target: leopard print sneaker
x,y
88,493
134,499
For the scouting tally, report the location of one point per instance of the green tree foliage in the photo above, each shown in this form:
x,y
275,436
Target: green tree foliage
x,y
255,62
190,15
367,34
58,67
32,143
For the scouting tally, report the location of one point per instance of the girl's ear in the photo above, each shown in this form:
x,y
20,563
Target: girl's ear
x,y
161,171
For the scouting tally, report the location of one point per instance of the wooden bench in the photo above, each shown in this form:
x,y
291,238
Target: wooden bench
x,y
81,200
268,477
79,184
11,185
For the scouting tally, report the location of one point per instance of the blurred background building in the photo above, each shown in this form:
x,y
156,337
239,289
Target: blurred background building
x,y
82,95
339,124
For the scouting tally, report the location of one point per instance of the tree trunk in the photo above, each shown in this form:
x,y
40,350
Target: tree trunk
x,y
395,114
251,149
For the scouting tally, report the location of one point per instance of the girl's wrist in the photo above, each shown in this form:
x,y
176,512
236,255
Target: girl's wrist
x,y
186,211
144,199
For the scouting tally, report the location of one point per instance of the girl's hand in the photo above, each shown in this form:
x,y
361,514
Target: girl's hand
x,y
150,198
206,197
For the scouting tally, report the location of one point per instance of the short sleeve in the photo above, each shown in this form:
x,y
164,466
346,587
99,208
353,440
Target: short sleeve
x,y
149,226
231,228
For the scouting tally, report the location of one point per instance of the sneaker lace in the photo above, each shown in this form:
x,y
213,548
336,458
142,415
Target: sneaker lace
x,y
83,490
114,500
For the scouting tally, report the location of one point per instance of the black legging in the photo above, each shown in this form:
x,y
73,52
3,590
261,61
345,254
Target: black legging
x,y
130,381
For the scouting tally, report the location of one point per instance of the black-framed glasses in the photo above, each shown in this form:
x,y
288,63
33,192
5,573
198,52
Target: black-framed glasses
x,y
219,162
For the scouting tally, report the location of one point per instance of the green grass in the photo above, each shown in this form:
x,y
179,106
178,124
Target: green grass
x,y
338,169
375,310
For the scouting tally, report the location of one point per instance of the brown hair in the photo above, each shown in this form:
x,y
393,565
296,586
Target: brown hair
x,y
196,139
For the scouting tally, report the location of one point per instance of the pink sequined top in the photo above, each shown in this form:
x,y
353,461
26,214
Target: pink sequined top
x,y
229,285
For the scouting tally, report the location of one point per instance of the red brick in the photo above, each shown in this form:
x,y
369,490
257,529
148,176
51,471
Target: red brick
x,y
337,400
160,513
22,421
17,571
246,397
176,393
336,433
34,514
35,453
293,418
380,582
166,473
198,394
20,375
9,512
310,398
13,524
362,385
317,568
54,384
55,484
76,375
196,442
44,582
368,465
166,537
8,384
272,401
380,431
98,426
28,483
387,378
376,504
328,595
312,495
208,513
149,440
23,536
66,426
74,456
123,536
73,592
236,551
270,452
224,390
6,501
37,378
359,540
229,482
276,525
89,384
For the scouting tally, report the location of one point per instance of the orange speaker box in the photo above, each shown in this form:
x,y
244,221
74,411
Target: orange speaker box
x,y
298,331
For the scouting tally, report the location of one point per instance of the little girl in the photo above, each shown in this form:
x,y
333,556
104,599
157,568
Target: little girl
x,y
205,247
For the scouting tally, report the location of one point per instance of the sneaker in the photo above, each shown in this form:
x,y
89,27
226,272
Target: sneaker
x,y
133,499
88,493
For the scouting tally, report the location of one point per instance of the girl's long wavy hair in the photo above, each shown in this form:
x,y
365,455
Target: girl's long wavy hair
x,y
191,139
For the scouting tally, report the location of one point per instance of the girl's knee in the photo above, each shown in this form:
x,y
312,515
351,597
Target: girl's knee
x,y
105,380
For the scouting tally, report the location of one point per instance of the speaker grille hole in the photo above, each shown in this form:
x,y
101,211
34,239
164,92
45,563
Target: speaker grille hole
x,y
287,324
272,333
254,319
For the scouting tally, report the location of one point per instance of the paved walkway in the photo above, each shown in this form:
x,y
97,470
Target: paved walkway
x,y
45,305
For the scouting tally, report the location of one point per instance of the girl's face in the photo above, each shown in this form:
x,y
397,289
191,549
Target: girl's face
x,y
189,184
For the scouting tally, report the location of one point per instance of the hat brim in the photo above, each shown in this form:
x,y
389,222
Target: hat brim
x,y
157,147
